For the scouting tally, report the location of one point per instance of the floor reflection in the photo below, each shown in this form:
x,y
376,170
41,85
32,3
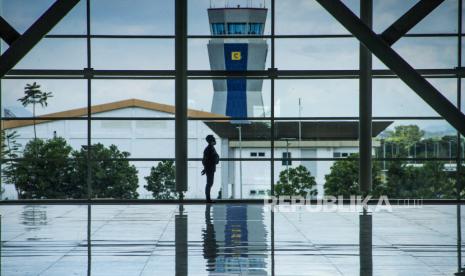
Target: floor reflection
x,y
234,241
210,246
228,239
34,216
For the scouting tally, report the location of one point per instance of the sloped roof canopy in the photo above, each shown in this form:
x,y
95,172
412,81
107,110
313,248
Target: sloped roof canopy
x,y
95,109
315,130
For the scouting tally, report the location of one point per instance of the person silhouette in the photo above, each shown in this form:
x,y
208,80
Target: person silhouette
x,y
209,161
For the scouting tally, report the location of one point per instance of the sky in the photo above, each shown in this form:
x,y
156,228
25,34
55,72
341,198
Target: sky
x,y
391,97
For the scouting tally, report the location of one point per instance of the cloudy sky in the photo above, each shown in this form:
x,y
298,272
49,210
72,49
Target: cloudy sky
x,y
156,17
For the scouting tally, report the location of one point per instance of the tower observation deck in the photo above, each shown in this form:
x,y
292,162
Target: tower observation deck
x,y
237,97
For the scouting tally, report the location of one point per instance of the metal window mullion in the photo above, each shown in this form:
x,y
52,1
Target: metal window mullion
x,y
89,138
365,104
272,96
181,95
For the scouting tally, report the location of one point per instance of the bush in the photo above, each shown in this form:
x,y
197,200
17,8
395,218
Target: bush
x,y
426,181
343,179
44,170
296,181
161,181
110,177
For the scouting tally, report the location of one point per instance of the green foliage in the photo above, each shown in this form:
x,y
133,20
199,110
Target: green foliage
x,y
404,137
406,134
296,181
44,170
33,95
47,171
428,180
343,179
9,150
110,178
161,181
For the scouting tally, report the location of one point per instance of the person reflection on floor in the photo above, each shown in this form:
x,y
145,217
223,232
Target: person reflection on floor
x,y
210,247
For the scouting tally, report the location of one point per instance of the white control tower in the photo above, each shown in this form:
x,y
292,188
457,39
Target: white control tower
x,y
237,97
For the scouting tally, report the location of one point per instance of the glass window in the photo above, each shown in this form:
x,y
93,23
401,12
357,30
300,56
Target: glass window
x,y
261,154
286,155
253,154
237,28
218,29
256,28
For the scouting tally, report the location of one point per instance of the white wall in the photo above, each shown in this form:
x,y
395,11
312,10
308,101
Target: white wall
x,y
143,139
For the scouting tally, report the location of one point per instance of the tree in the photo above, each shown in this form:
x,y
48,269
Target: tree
x,y
33,95
161,181
343,179
9,150
403,180
111,174
405,136
44,170
296,181
430,180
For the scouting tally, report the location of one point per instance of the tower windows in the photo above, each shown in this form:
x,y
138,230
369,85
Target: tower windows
x,y
255,28
218,29
237,28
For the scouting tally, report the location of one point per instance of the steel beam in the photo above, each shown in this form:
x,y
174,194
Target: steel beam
x,y
365,104
181,95
407,21
32,36
396,63
7,32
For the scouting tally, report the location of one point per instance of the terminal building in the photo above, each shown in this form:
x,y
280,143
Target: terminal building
x,y
238,100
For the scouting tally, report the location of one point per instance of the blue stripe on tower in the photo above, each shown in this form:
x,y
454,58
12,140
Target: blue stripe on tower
x,y
235,56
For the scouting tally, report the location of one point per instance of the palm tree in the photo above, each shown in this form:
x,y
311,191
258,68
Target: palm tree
x,y
33,95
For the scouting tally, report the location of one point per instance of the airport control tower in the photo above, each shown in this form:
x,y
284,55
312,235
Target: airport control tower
x,y
237,97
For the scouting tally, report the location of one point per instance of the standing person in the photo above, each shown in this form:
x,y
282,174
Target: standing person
x,y
209,161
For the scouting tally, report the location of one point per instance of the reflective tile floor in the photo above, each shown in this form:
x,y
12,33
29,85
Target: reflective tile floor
x,y
227,239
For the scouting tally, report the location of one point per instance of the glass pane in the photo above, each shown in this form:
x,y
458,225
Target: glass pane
x,y
392,97
144,17
425,52
418,139
67,98
133,54
139,138
55,53
316,98
227,135
227,181
22,14
442,20
304,177
308,17
317,54
235,97
133,98
217,54
46,168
